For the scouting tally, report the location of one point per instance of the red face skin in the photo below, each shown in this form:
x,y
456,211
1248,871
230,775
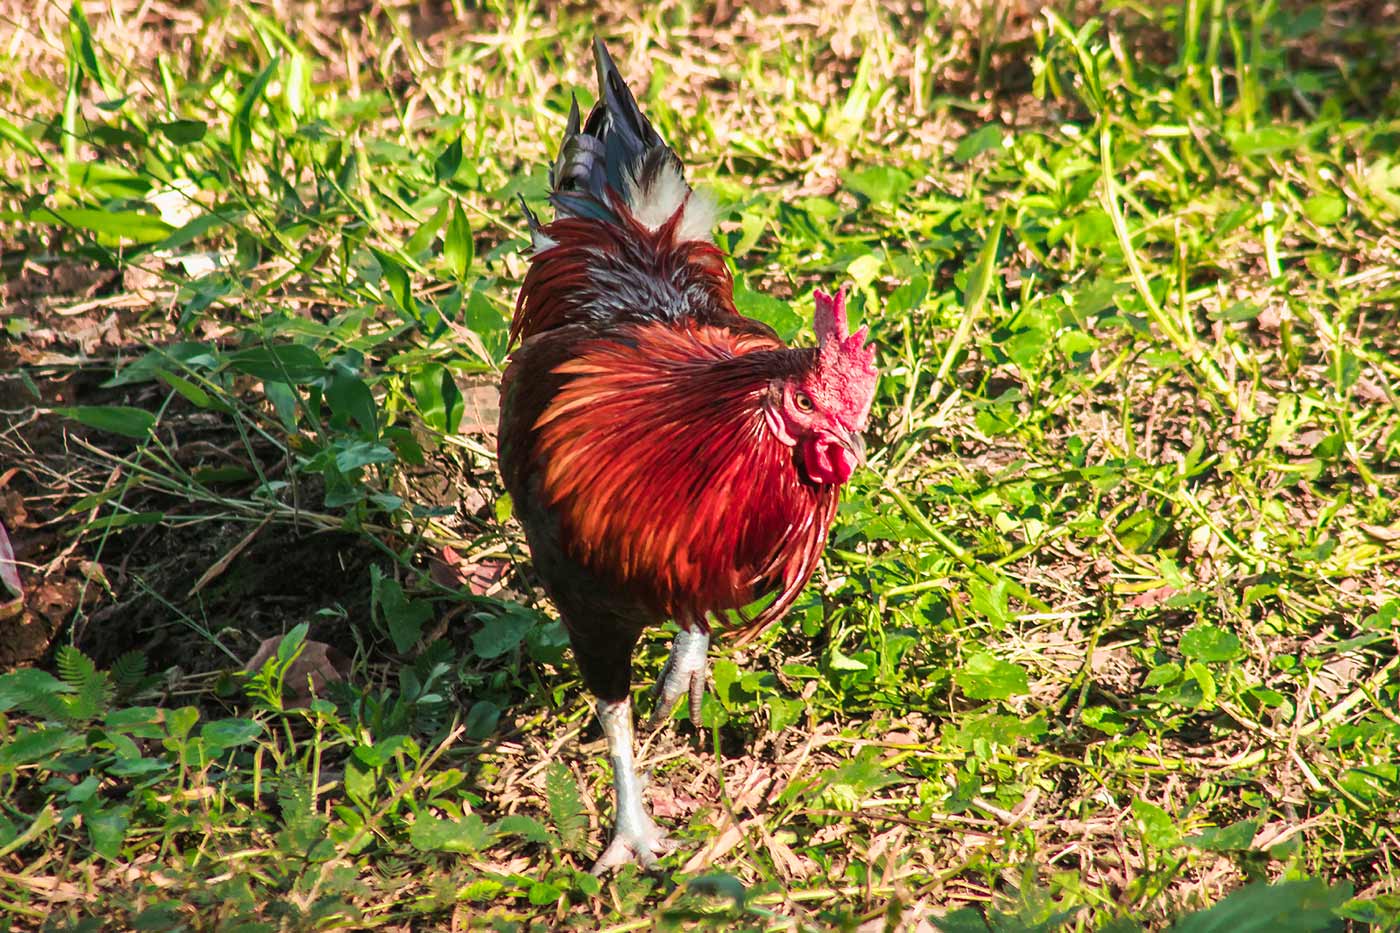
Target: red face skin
x,y
830,448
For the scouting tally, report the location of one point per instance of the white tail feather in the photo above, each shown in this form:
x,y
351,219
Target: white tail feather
x,y
664,193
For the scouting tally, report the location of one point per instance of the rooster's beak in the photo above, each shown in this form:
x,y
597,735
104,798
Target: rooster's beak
x,y
853,442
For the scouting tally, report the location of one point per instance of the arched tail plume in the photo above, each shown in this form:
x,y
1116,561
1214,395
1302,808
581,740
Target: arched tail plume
x,y
616,159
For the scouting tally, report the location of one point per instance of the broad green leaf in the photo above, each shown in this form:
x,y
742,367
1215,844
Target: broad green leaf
x,y
117,419
417,245
433,834
16,136
183,132
482,719
984,677
500,634
285,403
360,780
981,140
1158,829
720,884
1324,209
179,722
287,362
397,281
1206,642
999,729
106,827
1163,674
1307,905
202,225
351,400
80,37
439,400
31,745
1106,719
229,733
881,185
241,134
446,165
191,392
842,662
457,244
542,893
1233,838
991,601
124,520
352,455
117,225
1266,140
864,269
403,617
1237,312
774,312
1375,785
526,827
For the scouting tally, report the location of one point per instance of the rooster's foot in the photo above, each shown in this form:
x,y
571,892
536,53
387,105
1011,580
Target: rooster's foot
x,y
644,844
686,671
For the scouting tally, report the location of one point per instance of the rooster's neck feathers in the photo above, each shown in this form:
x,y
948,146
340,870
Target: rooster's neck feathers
x,y
600,273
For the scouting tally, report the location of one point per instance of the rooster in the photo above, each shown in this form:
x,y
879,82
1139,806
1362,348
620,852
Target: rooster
x,y
667,456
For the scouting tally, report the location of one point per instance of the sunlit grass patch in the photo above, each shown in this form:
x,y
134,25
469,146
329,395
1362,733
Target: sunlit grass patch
x,y
1104,637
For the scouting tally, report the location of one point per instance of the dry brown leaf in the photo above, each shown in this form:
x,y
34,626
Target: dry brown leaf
x,y
317,665
1386,533
1153,597
788,862
451,569
718,848
481,409
219,566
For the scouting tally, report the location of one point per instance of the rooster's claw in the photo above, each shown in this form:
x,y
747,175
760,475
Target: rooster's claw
x,y
686,671
644,846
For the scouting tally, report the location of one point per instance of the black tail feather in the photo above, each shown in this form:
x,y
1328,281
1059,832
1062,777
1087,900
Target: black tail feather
x,y
615,143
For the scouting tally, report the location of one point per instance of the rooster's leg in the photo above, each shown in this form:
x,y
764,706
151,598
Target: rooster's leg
x,y
685,672
636,837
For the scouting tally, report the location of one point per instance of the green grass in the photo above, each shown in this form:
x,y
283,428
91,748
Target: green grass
x,y
1104,636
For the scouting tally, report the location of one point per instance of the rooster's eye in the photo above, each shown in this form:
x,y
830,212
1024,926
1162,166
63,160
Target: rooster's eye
x,y
803,401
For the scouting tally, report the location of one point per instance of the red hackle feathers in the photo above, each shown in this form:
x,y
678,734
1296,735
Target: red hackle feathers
x,y
657,459
562,284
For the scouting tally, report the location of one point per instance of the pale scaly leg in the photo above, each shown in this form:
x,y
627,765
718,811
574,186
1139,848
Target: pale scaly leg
x,y
636,838
686,671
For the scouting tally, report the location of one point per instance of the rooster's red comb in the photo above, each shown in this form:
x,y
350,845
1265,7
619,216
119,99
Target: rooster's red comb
x,y
847,365
839,347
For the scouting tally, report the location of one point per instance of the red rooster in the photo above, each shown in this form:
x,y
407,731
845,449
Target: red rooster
x,y
668,457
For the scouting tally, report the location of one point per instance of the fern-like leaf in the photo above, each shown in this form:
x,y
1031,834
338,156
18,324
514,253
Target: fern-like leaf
x,y
565,807
129,670
74,667
92,688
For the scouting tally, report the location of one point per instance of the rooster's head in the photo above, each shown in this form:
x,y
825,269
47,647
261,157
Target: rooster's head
x,y
822,410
